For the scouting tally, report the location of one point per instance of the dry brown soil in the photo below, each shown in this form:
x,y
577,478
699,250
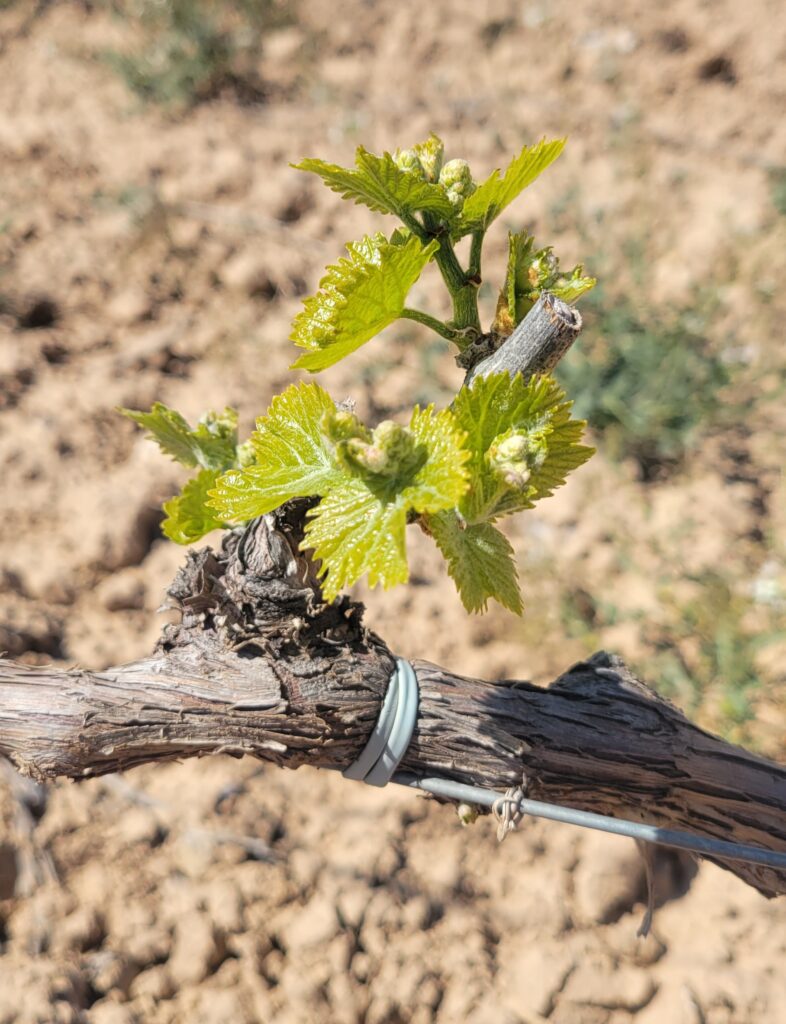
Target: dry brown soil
x,y
146,256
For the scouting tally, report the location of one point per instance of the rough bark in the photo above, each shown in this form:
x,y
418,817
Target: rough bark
x,y
260,665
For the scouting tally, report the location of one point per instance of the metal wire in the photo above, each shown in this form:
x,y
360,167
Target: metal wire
x,y
378,761
586,819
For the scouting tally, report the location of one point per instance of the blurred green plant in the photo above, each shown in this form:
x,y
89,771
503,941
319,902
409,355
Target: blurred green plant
x,y
777,177
706,653
647,386
195,50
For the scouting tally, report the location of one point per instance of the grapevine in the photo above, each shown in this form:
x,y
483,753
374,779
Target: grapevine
x,y
504,443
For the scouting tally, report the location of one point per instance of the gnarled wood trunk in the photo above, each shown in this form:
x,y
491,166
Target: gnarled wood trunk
x,y
260,665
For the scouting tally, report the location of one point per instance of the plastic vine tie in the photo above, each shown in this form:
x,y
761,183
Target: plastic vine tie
x,y
388,743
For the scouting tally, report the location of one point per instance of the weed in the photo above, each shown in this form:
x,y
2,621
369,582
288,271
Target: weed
x,y
777,177
195,50
706,653
647,386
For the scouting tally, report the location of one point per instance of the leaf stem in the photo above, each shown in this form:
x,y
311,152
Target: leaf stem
x,y
463,292
473,270
439,326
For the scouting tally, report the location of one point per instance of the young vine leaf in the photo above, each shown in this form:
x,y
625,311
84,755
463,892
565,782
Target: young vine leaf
x,y
188,517
480,561
522,440
358,297
293,459
381,184
211,445
490,199
360,527
531,272
369,481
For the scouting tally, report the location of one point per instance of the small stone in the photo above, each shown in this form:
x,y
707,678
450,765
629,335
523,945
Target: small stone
x,y
214,1005
193,853
351,904
246,272
225,905
82,930
138,825
284,44
610,987
417,912
148,945
347,1000
313,925
304,866
128,306
110,972
155,984
197,949
338,954
106,1012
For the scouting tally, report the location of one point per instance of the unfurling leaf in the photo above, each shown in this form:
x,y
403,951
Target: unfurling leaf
x,y
188,516
358,297
388,185
480,561
352,533
369,481
491,198
522,441
212,445
360,526
531,272
293,457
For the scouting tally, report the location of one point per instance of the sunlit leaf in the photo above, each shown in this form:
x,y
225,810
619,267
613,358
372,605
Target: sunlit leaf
x,y
188,516
480,562
506,476
293,457
359,527
353,533
379,183
211,445
497,191
358,297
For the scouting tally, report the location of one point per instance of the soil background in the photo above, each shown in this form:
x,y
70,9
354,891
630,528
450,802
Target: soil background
x,y
156,254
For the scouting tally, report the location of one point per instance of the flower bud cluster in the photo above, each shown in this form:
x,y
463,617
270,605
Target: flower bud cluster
x,y
514,455
342,424
389,452
425,159
456,179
